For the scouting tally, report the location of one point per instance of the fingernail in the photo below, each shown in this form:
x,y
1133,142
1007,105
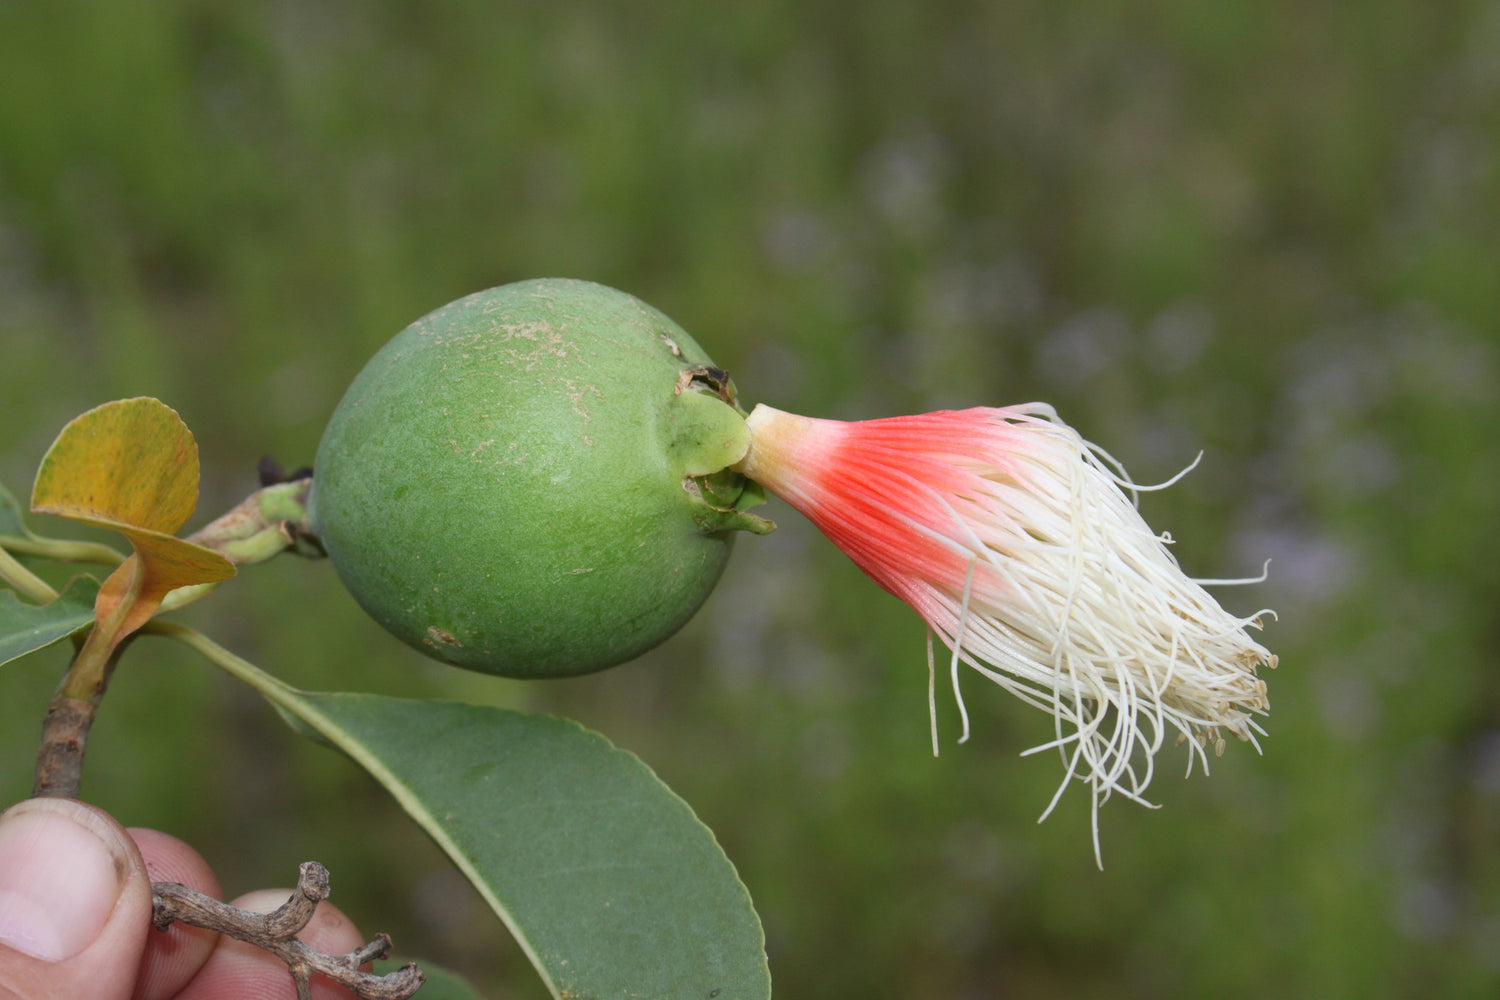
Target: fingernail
x,y
60,876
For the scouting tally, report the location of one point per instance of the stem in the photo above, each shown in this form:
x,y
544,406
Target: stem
x,y
95,660
276,691
27,583
65,729
59,760
65,732
70,716
63,549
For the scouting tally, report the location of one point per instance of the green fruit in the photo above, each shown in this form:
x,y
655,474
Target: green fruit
x,y
532,481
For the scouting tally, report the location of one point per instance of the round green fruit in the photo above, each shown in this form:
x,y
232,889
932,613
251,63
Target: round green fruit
x,y
532,481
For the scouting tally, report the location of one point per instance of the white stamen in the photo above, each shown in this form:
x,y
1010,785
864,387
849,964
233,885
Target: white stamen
x,y
932,695
963,623
1098,618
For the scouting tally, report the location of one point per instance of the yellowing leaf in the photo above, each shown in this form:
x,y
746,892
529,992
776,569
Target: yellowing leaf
x,y
157,568
131,465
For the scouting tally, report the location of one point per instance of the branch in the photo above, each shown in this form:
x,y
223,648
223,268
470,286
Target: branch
x,y
65,729
59,759
276,932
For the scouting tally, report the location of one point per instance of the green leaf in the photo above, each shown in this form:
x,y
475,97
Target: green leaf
x,y
441,984
607,879
610,884
25,628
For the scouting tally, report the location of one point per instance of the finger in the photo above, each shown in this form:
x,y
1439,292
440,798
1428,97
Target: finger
x,y
75,902
174,956
237,969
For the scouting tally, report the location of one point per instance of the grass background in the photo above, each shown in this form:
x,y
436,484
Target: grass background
x,y
1270,232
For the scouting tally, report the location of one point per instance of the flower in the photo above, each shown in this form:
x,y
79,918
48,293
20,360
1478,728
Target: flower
x,y
1019,543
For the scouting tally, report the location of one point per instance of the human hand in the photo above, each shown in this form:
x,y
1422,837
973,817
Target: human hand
x,y
75,916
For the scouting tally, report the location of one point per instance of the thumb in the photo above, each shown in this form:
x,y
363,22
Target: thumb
x,y
75,903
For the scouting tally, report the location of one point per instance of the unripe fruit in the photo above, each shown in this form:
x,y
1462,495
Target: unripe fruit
x,y
532,481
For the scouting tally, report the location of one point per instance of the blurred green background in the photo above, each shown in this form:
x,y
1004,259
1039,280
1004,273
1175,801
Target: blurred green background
x,y
1270,232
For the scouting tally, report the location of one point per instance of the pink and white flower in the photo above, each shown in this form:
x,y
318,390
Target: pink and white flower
x,y
1020,545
